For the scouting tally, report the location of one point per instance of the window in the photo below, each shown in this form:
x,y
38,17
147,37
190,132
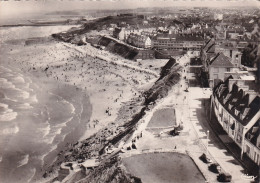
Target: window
x,y
247,149
228,69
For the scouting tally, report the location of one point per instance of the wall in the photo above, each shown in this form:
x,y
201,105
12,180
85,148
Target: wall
x,y
217,72
253,153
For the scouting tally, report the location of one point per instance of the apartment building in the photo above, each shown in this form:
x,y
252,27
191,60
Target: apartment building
x,y
178,42
238,111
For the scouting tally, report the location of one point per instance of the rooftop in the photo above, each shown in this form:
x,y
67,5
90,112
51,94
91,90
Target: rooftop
x,y
221,61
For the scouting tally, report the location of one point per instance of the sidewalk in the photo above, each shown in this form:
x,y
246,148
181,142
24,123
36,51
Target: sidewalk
x,y
216,149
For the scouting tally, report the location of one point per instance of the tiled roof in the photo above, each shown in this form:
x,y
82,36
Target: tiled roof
x,y
208,44
221,61
211,49
254,108
237,101
243,103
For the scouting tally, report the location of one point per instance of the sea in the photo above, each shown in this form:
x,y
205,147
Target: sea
x,y
37,121
38,118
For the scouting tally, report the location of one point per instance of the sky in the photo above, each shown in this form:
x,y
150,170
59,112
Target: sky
x,y
13,8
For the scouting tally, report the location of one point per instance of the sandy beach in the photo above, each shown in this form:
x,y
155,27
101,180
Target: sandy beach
x,y
109,83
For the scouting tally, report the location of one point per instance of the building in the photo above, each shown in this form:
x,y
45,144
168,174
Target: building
x,y
217,67
141,41
178,42
218,16
207,53
123,33
230,51
252,143
237,110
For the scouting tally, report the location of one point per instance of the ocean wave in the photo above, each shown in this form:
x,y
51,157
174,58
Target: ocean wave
x,y
34,99
56,130
24,161
23,94
9,131
13,100
45,131
25,106
5,106
65,101
6,84
72,108
19,79
33,173
7,114
52,148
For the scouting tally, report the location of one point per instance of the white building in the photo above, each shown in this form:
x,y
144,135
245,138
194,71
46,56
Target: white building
x,y
237,110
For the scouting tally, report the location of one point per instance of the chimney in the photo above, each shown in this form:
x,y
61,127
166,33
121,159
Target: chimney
x,y
231,82
244,88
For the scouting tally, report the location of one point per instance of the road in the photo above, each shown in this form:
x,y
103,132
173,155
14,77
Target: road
x,y
190,112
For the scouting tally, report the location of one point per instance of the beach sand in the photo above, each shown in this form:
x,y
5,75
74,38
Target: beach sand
x,y
109,85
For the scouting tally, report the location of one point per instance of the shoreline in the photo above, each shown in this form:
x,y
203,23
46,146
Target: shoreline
x,y
43,84
108,86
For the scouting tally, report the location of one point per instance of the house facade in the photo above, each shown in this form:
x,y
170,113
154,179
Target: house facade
x,y
141,41
237,110
252,143
217,67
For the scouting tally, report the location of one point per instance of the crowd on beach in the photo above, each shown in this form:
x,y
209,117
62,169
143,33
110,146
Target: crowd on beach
x,y
109,84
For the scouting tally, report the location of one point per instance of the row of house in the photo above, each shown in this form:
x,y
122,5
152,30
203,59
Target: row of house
x,y
123,33
237,109
219,58
141,41
150,39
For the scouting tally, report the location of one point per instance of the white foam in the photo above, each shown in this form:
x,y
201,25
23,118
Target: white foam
x,y
25,106
33,173
49,137
9,115
45,131
71,106
9,131
6,84
34,99
11,99
23,94
65,101
19,79
24,161
4,105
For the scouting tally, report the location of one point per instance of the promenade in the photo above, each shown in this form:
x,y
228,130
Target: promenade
x,y
191,113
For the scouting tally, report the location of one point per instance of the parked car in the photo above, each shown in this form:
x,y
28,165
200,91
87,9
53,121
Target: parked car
x,y
214,167
224,177
205,159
